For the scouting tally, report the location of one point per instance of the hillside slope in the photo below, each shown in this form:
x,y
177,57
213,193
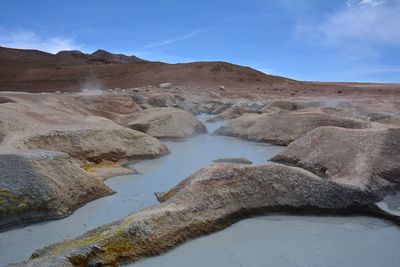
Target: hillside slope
x,y
36,71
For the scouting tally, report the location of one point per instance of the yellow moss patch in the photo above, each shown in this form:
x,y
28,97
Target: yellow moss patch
x,y
7,196
76,243
93,167
10,203
118,248
107,169
167,195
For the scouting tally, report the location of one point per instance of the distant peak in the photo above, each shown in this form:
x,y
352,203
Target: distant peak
x,y
70,52
101,51
120,58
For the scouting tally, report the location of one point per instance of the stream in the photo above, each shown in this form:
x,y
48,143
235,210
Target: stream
x,y
279,240
276,240
134,192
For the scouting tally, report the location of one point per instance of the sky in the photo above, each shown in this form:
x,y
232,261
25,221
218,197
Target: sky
x,y
315,40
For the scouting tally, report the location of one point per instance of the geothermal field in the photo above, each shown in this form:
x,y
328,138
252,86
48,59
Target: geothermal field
x,y
109,160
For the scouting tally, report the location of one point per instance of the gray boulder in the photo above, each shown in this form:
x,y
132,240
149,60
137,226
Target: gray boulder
x,y
283,128
42,185
166,85
167,123
368,159
234,161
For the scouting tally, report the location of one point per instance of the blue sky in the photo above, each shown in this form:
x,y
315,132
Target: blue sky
x,y
335,40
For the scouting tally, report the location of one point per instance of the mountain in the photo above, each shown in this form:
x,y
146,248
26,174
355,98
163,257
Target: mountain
x,y
37,71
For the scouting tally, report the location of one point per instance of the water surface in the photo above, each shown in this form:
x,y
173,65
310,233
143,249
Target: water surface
x,y
134,192
262,241
291,241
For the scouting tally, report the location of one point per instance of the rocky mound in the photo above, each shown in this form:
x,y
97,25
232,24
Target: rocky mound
x,y
118,108
361,113
283,128
213,106
61,123
291,105
167,123
38,186
234,161
368,159
166,99
4,100
240,108
97,144
209,200
394,121
41,185
112,58
2,134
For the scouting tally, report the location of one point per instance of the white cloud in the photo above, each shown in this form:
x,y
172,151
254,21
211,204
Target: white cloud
x,y
31,40
156,55
365,3
367,21
359,23
156,51
172,40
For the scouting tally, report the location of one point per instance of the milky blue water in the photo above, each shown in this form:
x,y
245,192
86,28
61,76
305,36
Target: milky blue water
x,y
134,192
262,241
297,241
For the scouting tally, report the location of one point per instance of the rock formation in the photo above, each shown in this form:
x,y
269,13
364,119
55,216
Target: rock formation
x,y
207,201
42,185
118,108
291,105
212,106
56,123
96,145
166,85
167,123
361,113
240,108
368,159
283,128
234,161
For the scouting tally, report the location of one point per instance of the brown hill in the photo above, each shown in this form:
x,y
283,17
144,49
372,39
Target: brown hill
x,y
37,71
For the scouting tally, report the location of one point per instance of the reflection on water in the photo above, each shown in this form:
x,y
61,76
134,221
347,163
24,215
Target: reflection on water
x,y
391,204
134,192
290,241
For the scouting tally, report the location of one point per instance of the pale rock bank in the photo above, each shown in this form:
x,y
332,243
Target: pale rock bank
x,y
209,200
283,128
368,159
42,185
167,123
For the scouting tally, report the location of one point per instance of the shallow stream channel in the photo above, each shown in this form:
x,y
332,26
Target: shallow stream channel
x,y
262,241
